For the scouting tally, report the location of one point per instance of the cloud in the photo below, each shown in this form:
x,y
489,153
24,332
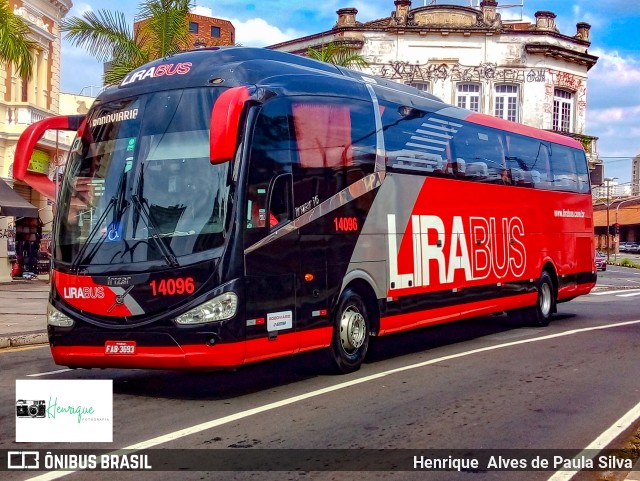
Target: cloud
x,y
624,70
257,32
79,9
200,10
613,112
617,114
613,81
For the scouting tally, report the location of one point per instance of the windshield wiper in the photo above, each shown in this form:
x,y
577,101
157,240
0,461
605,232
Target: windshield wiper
x,y
116,200
142,208
143,211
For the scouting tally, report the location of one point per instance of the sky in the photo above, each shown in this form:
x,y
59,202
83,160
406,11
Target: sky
x,y
613,97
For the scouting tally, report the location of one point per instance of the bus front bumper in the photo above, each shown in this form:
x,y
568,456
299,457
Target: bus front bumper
x,y
218,356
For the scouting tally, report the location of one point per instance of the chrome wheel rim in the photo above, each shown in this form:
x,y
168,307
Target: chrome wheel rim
x,y
352,329
545,299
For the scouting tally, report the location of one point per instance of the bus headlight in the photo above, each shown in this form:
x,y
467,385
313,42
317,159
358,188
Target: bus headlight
x,y
57,318
217,309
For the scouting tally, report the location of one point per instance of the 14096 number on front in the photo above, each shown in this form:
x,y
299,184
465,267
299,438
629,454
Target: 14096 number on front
x,y
170,287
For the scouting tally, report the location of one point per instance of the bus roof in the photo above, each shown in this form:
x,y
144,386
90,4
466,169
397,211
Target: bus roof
x,y
238,66
235,66
516,128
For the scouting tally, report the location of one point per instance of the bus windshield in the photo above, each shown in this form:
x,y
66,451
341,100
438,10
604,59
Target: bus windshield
x,y
139,186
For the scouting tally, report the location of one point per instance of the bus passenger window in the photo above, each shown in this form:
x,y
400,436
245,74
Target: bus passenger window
x,y
564,169
417,141
528,161
482,152
335,147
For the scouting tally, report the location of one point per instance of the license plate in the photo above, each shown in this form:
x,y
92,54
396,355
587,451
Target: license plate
x,y
126,348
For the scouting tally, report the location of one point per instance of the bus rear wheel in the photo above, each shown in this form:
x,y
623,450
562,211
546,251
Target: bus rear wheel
x,y
350,339
540,314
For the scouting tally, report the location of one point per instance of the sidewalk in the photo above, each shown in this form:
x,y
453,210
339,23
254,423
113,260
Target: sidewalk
x,y
23,312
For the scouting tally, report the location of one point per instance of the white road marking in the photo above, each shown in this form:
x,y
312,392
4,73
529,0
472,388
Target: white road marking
x,y
165,438
613,292
39,374
629,295
626,271
601,442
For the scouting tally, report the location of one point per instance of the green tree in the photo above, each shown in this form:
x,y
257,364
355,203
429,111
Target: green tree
x,y
163,30
15,46
338,54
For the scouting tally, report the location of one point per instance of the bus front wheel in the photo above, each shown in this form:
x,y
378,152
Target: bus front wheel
x,y
350,339
539,314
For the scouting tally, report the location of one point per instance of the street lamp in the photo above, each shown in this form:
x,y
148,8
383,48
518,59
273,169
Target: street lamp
x,y
608,181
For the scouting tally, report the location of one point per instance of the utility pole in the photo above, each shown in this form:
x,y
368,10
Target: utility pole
x,y
608,181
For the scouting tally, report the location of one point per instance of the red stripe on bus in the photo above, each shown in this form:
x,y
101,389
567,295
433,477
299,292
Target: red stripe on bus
x,y
516,128
193,356
153,357
403,322
287,344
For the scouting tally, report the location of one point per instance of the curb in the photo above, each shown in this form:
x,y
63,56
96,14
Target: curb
x,y
20,340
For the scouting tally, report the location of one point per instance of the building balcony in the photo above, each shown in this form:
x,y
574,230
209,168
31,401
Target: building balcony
x,y
589,143
19,115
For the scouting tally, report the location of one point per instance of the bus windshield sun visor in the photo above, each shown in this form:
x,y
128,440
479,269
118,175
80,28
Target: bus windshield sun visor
x,y
225,124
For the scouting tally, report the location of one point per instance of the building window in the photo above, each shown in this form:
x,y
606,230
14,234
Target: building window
x,y
507,102
215,32
562,110
422,86
468,97
193,27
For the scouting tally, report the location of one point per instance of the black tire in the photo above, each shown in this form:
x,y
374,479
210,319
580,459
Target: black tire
x,y
540,314
350,339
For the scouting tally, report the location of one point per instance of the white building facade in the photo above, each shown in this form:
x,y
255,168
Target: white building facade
x,y
528,73
23,102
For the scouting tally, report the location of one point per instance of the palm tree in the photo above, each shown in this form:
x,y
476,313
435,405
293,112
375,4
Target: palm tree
x,y
338,54
15,46
163,30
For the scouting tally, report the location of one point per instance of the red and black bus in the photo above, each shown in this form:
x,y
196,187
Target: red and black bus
x,y
229,205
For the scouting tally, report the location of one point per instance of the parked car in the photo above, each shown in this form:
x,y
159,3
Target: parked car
x,y
601,261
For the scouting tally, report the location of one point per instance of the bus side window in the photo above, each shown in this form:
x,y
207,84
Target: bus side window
x,y
528,161
483,154
335,147
582,170
417,141
563,165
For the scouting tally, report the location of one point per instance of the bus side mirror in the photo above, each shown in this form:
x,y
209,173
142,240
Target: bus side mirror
x,y
32,134
225,124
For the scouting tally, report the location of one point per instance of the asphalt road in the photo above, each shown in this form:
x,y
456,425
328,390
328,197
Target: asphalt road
x,y
473,385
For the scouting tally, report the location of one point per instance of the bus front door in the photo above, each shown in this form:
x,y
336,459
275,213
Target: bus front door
x,y
271,267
